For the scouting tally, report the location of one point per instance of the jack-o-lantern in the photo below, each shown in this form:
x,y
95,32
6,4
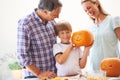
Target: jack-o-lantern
x,y
82,38
111,66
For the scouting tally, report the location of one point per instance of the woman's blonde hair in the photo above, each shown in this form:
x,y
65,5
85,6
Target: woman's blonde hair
x,y
62,25
99,7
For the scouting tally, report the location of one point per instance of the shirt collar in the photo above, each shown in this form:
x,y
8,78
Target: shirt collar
x,y
36,16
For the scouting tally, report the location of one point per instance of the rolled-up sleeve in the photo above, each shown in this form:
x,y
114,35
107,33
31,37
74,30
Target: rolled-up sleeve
x,y
23,43
116,22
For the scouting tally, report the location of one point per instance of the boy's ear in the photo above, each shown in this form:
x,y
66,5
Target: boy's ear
x,y
58,36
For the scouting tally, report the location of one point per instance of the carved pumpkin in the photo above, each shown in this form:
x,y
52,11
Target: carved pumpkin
x,y
111,66
82,38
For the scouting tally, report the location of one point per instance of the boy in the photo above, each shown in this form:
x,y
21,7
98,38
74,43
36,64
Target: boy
x,y
69,59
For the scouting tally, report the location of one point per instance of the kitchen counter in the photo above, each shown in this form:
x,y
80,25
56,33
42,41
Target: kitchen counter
x,y
77,78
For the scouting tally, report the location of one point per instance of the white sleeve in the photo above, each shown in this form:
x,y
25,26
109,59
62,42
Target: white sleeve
x,y
116,22
56,49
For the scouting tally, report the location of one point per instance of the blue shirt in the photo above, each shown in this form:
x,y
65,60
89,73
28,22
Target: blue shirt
x,y
35,43
105,41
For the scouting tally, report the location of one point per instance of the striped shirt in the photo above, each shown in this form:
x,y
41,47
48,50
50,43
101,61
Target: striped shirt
x,y
35,43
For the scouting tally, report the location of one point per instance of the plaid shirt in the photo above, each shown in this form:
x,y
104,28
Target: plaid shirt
x,y
35,43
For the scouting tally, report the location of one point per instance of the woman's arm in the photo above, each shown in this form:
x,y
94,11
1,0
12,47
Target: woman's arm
x,y
117,31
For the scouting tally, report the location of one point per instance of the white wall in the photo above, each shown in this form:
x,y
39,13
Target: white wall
x,y
12,10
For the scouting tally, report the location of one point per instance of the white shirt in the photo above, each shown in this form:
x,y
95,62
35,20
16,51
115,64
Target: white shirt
x,y
71,66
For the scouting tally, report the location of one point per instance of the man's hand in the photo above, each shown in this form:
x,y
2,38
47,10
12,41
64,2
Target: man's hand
x,y
47,74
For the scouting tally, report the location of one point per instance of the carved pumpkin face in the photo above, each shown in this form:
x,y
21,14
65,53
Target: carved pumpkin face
x,y
82,38
111,66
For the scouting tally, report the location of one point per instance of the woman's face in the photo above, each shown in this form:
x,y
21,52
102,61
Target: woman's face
x,y
91,9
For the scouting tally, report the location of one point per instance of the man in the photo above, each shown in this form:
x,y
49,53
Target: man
x,y
36,37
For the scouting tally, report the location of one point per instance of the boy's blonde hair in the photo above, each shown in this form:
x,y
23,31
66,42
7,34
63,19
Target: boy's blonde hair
x,y
62,25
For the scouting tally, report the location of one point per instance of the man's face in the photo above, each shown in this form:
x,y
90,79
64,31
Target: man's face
x,y
54,14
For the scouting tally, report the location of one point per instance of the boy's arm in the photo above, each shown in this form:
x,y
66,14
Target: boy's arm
x,y
61,58
83,60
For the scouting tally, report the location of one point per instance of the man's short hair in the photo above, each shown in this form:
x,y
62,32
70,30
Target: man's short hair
x,y
49,5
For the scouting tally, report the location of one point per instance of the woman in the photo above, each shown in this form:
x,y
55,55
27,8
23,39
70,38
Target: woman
x,y
106,31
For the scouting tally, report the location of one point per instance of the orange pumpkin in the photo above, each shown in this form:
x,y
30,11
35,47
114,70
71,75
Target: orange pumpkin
x,y
111,66
82,38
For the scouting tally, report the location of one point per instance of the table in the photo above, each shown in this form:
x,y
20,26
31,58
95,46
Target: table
x,y
77,78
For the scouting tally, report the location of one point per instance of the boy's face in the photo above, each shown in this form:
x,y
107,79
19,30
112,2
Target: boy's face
x,y
65,36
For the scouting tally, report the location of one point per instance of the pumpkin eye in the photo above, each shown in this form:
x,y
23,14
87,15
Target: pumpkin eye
x,y
110,66
77,38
